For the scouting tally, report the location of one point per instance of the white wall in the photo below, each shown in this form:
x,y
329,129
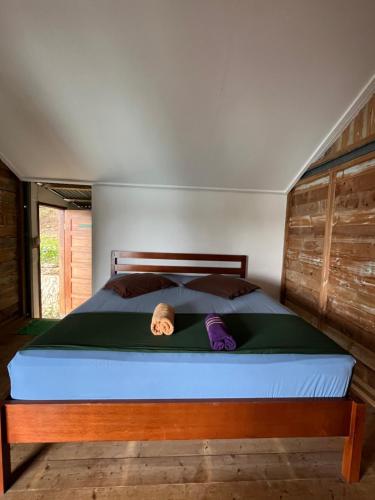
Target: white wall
x,y
177,220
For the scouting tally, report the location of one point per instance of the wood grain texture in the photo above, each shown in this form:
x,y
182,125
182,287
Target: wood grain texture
x,y
287,468
351,302
285,486
77,258
4,453
351,462
359,132
304,252
81,421
118,264
363,380
336,265
30,422
265,417
327,246
183,469
285,250
11,281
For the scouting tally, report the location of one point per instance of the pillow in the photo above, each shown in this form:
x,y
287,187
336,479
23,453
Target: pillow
x,y
223,286
179,279
132,285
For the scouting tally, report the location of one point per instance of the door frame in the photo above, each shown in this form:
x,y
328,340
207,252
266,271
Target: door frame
x,y
61,255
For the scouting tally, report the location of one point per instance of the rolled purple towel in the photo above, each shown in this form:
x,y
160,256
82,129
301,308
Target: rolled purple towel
x,y
220,338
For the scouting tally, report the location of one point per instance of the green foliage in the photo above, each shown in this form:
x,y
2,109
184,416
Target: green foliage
x,y
49,250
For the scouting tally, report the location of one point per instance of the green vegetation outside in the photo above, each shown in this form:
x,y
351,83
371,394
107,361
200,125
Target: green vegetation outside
x,y
49,251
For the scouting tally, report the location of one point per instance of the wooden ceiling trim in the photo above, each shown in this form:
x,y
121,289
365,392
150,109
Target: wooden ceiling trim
x,y
337,168
358,133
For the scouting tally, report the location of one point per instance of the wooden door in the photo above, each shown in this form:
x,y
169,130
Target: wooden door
x,y
78,258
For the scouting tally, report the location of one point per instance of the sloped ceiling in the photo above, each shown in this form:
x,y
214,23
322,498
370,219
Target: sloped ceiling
x,y
216,93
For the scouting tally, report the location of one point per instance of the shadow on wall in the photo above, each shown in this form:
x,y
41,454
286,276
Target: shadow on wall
x,y
269,286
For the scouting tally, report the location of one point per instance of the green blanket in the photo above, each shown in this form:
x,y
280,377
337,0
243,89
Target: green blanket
x,y
37,326
254,333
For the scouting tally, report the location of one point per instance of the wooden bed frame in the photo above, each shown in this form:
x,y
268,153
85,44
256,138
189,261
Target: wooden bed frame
x,y
125,420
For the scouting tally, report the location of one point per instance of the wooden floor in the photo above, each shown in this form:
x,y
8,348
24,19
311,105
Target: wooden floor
x,y
220,470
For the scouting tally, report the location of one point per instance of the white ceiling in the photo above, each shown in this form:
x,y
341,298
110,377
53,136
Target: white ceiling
x,y
217,93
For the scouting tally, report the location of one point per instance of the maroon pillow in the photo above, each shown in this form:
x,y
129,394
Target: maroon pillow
x,y
223,286
132,285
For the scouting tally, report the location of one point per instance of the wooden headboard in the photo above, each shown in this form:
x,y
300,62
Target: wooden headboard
x,y
119,256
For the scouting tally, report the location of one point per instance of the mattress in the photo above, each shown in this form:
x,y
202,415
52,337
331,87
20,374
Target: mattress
x,y
61,375
183,300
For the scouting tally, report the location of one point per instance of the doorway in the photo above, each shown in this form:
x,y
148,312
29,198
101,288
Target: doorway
x,y
65,259
77,258
51,261
63,246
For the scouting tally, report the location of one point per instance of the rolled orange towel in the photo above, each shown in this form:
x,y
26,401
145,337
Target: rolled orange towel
x,y
163,320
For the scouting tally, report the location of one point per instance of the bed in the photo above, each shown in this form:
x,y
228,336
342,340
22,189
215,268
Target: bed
x,y
179,395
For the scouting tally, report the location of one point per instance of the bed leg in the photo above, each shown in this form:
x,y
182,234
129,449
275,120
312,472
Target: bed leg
x,y
351,459
4,453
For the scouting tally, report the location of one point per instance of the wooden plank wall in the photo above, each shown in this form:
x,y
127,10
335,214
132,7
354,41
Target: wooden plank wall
x,y
306,221
329,259
10,245
360,131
